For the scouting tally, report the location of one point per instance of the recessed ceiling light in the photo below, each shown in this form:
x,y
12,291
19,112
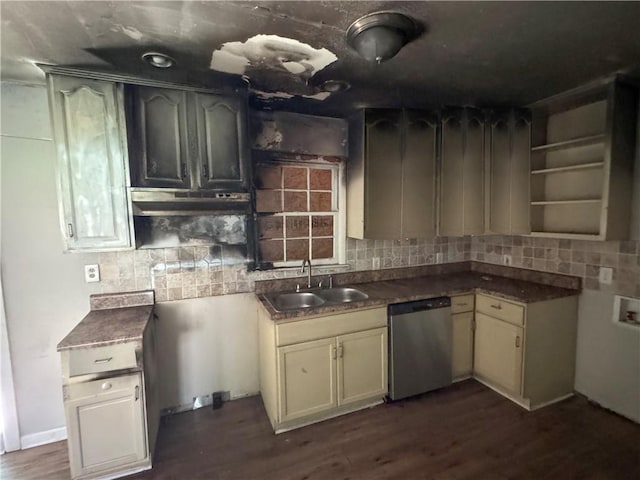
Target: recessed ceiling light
x,y
158,60
335,86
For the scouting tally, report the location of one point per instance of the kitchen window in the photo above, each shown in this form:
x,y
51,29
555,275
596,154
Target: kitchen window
x,y
298,213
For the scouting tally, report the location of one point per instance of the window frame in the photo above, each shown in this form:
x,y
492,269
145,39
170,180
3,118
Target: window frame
x,y
338,200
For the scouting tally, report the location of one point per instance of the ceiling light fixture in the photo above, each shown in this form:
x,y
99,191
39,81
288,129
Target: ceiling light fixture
x,y
379,36
158,60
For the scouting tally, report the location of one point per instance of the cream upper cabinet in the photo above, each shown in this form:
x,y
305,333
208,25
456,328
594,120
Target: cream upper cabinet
x,y
526,351
462,336
462,172
105,419
92,165
582,163
319,367
391,174
509,172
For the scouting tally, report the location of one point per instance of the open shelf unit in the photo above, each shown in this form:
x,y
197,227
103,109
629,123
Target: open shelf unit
x,y
582,162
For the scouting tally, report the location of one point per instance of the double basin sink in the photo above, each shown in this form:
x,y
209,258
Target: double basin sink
x,y
283,302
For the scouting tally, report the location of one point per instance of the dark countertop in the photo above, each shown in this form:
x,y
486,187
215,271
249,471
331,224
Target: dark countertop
x,y
106,327
114,318
418,288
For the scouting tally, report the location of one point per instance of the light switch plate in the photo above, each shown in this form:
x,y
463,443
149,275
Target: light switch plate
x,y
91,273
375,264
438,257
506,259
606,275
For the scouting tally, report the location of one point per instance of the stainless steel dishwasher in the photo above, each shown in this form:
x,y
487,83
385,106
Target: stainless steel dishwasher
x,y
419,346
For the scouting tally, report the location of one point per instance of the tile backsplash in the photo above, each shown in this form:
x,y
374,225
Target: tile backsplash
x,y
581,258
189,272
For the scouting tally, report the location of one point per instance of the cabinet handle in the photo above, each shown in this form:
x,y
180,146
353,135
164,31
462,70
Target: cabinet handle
x,y
184,170
518,341
103,360
340,351
497,307
205,170
70,230
137,392
333,352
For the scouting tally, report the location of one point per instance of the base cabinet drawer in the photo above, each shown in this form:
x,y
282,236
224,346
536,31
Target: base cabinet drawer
x,y
502,309
106,424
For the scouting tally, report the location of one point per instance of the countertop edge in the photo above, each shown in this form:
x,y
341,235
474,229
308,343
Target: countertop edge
x,y
295,315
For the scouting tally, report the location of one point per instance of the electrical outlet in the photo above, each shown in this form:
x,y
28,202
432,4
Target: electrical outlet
x,y
438,257
376,263
606,275
506,259
91,273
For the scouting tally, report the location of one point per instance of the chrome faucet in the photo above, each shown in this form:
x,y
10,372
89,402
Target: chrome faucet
x,y
306,262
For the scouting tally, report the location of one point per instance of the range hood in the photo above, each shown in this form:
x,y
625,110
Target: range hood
x,y
149,202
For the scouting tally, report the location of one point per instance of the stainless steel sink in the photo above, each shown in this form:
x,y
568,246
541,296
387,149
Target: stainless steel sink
x,y
342,295
324,296
294,301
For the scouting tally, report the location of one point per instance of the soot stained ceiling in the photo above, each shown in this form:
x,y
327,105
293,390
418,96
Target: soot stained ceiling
x,y
470,53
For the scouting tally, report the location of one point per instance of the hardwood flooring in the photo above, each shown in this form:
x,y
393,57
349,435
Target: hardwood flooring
x,y
465,431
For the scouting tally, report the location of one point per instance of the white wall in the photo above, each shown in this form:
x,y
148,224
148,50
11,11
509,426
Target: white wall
x,y
608,354
44,290
207,345
607,357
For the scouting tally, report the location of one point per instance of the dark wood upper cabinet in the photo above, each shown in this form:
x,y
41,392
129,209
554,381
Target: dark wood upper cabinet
x,y
222,141
189,140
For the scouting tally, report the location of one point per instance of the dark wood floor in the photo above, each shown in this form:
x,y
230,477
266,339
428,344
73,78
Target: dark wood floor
x,y
463,432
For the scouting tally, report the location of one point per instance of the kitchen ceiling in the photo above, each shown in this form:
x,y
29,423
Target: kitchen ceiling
x,y
469,53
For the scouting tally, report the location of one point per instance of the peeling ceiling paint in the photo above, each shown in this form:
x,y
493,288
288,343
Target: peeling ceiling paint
x,y
271,52
262,54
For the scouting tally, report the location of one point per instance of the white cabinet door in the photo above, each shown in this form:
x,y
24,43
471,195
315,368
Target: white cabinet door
x,y
92,164
306,376
498,353
362,365
105,421
462,351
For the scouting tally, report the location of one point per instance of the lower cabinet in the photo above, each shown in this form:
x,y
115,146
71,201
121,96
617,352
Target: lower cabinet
x,y
498,352
462,348
106,420
526,351
320,367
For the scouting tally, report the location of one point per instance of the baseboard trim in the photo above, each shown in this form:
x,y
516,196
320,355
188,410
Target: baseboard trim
x,y
42,438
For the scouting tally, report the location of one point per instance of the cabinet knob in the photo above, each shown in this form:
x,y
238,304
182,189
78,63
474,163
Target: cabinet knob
x,y
106,385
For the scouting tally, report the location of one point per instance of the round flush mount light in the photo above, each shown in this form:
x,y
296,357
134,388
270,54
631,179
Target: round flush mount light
x,y
158,60
334,86
379,36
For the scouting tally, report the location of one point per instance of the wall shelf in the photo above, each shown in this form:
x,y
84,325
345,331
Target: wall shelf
x,y
570,168
582,164
567,202
574,142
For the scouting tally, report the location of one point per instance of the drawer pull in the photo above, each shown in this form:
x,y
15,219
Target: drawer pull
x,y
461,304
106,386
518,341
103,360
137,392
497,307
